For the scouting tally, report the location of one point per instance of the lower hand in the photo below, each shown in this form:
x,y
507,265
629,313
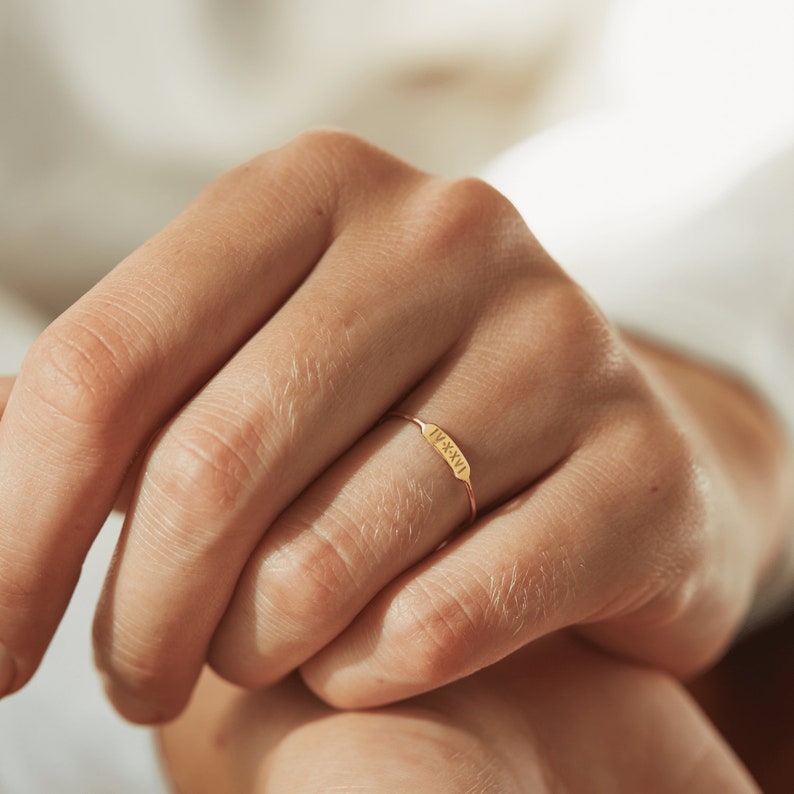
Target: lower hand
x,y
558,716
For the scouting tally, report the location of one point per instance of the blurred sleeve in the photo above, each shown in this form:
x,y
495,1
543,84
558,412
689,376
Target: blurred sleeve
x,y
673,204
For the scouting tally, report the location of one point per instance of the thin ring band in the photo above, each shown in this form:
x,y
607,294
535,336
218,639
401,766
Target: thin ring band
x,y
449,450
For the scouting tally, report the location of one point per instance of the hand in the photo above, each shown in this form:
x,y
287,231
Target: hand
x,y
557,716
235,369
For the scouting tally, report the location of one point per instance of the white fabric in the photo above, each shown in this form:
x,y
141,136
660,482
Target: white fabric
x,y
674,204
114,114
664,184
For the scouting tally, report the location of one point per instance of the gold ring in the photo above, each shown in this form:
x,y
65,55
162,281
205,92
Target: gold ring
x,y
449,450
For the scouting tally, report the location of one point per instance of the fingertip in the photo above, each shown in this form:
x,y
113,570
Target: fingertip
x,y
345,688
323,689
343,675
136,710
143,692
243,673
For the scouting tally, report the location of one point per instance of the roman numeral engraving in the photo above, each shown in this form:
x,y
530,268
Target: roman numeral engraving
x,y
448,450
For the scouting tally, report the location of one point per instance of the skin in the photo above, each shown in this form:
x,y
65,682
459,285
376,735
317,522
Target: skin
x,y
225,384
558,716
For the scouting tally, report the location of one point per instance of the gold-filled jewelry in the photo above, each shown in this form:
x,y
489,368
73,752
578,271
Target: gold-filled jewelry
x,y
449,450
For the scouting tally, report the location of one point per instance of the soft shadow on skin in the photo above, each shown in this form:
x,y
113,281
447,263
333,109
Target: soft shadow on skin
x,y
749,695
557,716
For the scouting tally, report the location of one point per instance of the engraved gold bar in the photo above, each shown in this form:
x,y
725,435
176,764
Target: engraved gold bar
x,y
449,451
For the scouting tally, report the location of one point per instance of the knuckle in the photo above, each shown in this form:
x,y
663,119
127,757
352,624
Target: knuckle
x,y
285,606
637,459
318,164
470,195
76,374
321,173
315,573
582,351
457,209
657,487
578,359
665,476
207,468
306,579
325,139
331,146
432,630
466,226
350,167
687,540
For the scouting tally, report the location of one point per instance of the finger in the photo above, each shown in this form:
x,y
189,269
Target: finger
x,y
289,403
345,346
214,479
587,543
392,500
113,368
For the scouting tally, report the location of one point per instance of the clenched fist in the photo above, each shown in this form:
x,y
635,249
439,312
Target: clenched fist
x,y
227,383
